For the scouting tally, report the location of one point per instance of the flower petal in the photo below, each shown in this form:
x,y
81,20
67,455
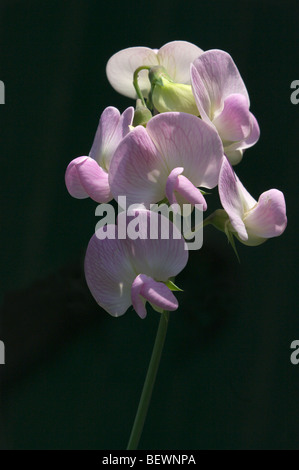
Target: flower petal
x,y
190,194
162,252
176,57
186,141
254,133
72,179
109,274
122,65
112,128
268,218
234,152
154,292
137,170
234,122
84,177
231,200
111,265
218,75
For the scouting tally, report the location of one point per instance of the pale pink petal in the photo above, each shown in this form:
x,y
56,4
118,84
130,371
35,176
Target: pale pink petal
x,y
176,57
137,170
171,185
178,182
84,177
163,254
201,96
219,77
72,179
157,293
254,133
268,218
229,192
111,266
113,127
234,122
137,301
122,65
186,141
234,152
109,274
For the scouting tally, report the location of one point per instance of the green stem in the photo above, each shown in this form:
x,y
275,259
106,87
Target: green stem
x,y
135,82
149,383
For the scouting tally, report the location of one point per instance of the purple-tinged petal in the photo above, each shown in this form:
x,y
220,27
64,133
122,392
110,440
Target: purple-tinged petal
x,y
109,274
254,133
111,265
186,141
157,293
178,182
84,177
234,122
163,254
137,301
171,185
219,77
229,192
72,179
112,128
268,218
122,65
234,152
201,96
176,57
137,170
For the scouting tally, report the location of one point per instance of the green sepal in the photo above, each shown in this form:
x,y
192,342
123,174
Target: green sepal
x,y
171,286
231,240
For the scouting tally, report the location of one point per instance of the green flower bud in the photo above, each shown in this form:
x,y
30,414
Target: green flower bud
x,y
142,115
169,96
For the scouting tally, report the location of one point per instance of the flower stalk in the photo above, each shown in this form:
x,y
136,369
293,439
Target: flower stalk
x,y
149,383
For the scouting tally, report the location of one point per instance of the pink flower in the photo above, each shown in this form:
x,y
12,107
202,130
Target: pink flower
x,y
88,176
172,157
223,101
175,56
124,272
251,221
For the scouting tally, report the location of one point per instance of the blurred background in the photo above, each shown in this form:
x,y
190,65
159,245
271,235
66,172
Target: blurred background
x,y
73,374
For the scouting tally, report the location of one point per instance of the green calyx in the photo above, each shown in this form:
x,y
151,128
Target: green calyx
x,y
158,76
142,114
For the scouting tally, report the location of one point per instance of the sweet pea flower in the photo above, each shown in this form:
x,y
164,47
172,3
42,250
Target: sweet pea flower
x,y
251,221
172,157
175,57
125,272
222,100
87,176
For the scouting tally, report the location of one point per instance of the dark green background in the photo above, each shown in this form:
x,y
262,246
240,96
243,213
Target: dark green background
x,y
74,374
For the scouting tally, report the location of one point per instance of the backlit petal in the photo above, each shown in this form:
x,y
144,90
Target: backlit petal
x,y
112,128
231,200
219,77
122,65
154,292
268,218
137,170
176,57
234,122
186,141
84,177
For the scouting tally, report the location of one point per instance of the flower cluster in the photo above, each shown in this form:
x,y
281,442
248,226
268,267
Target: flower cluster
x,y
191,124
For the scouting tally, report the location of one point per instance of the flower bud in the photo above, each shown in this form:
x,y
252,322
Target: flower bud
x,y
142,115
168,96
